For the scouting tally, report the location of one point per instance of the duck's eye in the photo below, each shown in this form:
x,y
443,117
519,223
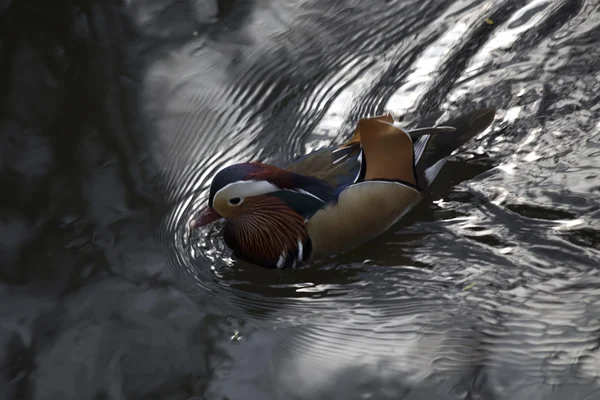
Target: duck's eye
x,y
235,201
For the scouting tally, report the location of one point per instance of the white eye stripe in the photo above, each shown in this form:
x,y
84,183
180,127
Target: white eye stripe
x,y
244,189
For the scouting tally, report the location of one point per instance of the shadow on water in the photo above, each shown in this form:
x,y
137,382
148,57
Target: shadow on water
x,y
115,116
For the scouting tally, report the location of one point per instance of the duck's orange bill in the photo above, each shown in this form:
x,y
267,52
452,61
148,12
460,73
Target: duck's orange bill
x,y
205,217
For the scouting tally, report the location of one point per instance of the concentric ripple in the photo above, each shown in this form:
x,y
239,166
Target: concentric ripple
x,y
494,275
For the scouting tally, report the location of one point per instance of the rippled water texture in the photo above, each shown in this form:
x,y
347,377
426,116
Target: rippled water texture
x,y
115,117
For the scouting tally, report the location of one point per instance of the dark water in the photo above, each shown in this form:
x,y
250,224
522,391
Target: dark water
x,y
114,116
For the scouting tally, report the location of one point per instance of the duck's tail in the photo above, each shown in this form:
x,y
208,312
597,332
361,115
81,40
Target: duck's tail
x,y
433,144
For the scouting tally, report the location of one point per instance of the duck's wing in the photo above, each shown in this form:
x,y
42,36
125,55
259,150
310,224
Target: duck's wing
x,y
391,183
381,170
387,190
343,165
339,166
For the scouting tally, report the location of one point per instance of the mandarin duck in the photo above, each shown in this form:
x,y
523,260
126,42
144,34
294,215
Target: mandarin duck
x,y
333,199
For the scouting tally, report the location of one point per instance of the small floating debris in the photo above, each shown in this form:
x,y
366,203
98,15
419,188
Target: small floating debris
x,y
489,21
236,336
469,286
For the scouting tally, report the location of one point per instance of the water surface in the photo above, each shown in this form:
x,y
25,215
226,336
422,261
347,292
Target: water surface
x,y
115,117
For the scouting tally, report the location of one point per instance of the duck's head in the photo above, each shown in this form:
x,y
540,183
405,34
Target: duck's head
x,y
265,209
235,190
242,188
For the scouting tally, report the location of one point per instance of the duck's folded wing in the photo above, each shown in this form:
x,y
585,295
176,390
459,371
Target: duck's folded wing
x,y
363,211
367,208
338,166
